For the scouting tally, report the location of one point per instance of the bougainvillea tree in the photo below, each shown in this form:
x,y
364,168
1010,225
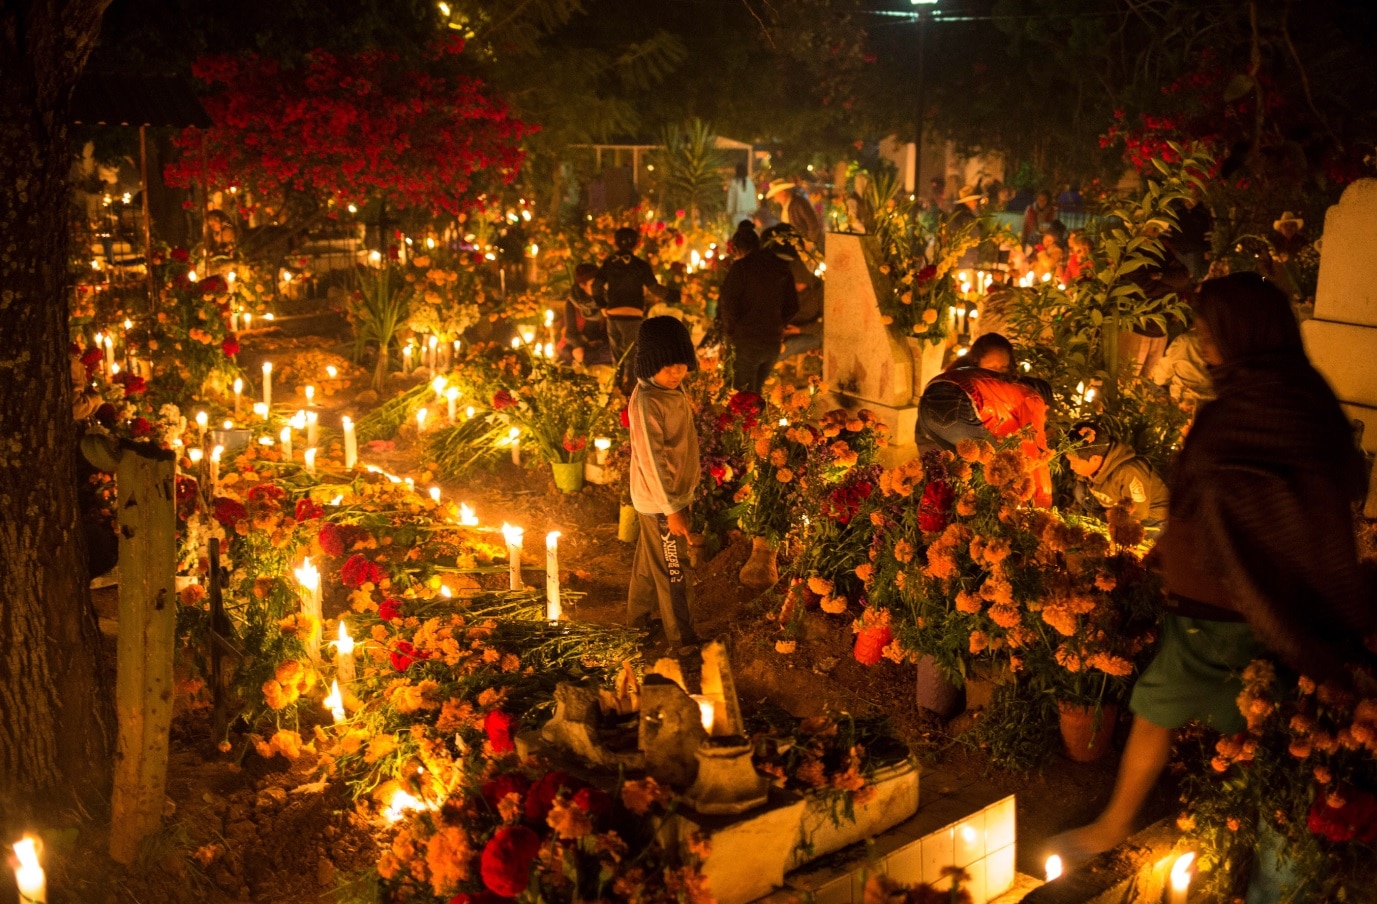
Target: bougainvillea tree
x,y
350,129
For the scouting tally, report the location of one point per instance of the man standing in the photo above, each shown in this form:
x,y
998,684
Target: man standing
x,y
758,301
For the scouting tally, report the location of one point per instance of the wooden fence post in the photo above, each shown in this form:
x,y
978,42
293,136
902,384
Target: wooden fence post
x,y
146,514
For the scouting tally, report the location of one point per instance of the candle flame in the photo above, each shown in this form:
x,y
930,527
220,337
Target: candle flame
x,y
512,534
1053,869
401,803
602,444
29,873
216,453
238,385
435,495
331,371
345,645
466,515
706,711
196,455
307,575
335,702
438,384
1181,871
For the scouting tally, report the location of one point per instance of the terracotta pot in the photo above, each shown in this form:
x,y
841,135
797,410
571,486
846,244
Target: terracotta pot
x,y
761,571
936,692
1086,734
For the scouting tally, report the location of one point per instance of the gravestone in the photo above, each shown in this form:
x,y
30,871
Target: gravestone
x,y
865,363
1341,337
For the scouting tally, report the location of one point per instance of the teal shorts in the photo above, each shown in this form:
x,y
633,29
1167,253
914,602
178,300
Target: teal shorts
x,y
1195,674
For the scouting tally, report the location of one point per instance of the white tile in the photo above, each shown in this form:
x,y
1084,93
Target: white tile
x,y
999,871
976,885
969,839
939,852
906,864
1000,828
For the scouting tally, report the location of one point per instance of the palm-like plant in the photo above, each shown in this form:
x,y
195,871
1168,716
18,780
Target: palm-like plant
x,y
690,169
386,303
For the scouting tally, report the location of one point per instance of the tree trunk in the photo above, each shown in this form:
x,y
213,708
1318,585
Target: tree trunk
x,y
54,694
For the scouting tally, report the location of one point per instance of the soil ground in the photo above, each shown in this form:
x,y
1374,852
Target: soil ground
x,y
277,836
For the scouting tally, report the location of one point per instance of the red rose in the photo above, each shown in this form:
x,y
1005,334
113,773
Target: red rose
x,y
230,345
90,359
626,417
141,427
180,255
718,473
746,403
213,285
596,803
359,570
502,785
502,399
391,608
544,792
306,510
133,385
575,444
870,644
337,539
506,861
498,726
229,512
934,509
406,655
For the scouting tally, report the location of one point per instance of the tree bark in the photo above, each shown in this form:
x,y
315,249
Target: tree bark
x,y
55,709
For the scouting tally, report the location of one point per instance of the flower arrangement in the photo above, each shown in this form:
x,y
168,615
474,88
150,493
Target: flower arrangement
x,y
559,411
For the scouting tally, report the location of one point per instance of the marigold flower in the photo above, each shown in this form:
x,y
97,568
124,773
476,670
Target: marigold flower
x,y
786,646
865,572
1003,615
969,603
833,605
979,642
819,585
447,857
784,475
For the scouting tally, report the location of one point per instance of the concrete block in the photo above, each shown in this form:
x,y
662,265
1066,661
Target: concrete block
x,y
1346,292
749,854
823,831
1343,353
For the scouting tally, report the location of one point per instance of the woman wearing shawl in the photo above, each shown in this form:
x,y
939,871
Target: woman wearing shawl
x,y
1259,552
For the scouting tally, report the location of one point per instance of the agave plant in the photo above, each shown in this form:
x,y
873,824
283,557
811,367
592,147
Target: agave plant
x,y
690,169
386,303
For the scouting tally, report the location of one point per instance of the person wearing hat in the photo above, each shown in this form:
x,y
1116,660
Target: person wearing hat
x,y
966,215
663,476
795,210
1112,473
1291,261
621,286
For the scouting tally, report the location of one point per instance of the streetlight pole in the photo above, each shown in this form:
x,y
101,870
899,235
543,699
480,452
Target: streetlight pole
x,y
922,18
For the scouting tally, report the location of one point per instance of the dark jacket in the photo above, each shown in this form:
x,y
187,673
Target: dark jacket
x,y
583,321
758,300
622,282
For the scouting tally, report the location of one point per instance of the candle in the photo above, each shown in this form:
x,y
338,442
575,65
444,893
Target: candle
x,y
227,425
502,280
451,395
434,343
309,579
552,606
28,873
261,410
335,702
202,421
406,358
312,428
310,396
310,457
344,655
1053,869
466,516
600,447
215,468
706,711
437,385
515,435
351,442
468,413
550,323
234,321
513,537
238,394
421,420
286,437
1181,878
435,495
331,371
268,383
248,320
110,364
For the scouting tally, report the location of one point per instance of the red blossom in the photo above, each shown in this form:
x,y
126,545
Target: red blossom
x,y
133,385
502,399
544,792
1356,820
502,785
140,427
404,656
390,609
575,443
593,801
337,539
498,726
229,511
181,255
625,418
90,359
230,345
506,861
934,509
360,570
213,285
306,509
266,495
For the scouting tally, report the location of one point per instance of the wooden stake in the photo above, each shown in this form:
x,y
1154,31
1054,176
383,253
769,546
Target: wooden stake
x,y
147,518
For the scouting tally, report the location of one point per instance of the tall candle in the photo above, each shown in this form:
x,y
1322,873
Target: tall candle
x,y
550,323
202,421
110,356
421,420
28,873
513,537
1181,878
234,321
268,383
406,358
309,456
601,445
466,516
248,320
334,702
312,428
261,410
437,385
286,437
552,607
310,396
434,344
344,655
309,579
515,435
215,468
451,396
351,442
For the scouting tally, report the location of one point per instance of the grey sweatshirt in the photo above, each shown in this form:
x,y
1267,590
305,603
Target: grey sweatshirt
x,y
664,449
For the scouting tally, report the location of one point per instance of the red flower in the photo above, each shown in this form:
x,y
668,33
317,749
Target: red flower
x,y
870,644
934,509
213,285
926,275
502,399
746,403
390,609
625,418
359,570
141,427
718,473
544,792
679,214
307,510
575,444
180,255
506,861
1356,820
186,489
90,359
230,345
229,511
596,803
406,655
133,385
498,726
106,414
266,494
502,785
482,897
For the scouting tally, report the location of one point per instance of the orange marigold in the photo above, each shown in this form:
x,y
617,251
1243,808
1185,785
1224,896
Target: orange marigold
x,y
447,856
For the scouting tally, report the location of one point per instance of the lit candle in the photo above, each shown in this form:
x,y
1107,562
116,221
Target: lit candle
x,y
312,428
433,343
335,702
550,323
344,655
468,413
515,435
261,410
110,364
215,468
513,537
600,447
421,420
552,607
234,321
310,458
286,438
435,495
309,579
28,873
202,421
706,711
351,442
466,516
451,395
437,385
227,425
1053,869
248,320
331,371
268,383
406,358
1181,878
310,396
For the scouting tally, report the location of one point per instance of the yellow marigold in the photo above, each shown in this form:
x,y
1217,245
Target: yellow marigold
x,y
903,551
277,696
968,450
997,591
786,646
1110,665
1106,582
877,519
742,494
930,316
967,602
1323,775
569,821
997,550
448,853
865,572
894,652
1004,616
762,447
980,641
379,747
1068,659
805,436
1298,748
1060,618
639,796
821,586
959,470
833,605
779,458
966,505
784,475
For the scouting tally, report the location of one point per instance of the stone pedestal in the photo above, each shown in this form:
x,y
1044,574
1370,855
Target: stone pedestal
x,y
865,363
1341,337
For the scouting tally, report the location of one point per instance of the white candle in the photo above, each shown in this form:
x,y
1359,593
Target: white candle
x,y
351,442
406,358
110,356
335,703
268,383
202,421
286,437
466,516
550,323
435,495
468,413
437,385
434,344
310,396
234,321
310,458
344,655
552,607
309,579
600,447
28,873
312,428
238,394
513,537
248,320
215,468
261,410
1181,879
421,420
515,435
451,396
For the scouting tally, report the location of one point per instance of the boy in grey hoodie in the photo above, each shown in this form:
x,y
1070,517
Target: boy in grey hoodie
x,y
664,475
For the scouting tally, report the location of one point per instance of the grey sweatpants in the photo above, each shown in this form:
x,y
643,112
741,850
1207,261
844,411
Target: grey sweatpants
x,y
661,578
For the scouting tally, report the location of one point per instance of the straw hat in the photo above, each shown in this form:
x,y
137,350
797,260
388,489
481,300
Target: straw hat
x,y
778,186
968,193
1288,217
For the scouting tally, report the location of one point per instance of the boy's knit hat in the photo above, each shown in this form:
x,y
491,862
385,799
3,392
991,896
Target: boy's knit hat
x,y
660,342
